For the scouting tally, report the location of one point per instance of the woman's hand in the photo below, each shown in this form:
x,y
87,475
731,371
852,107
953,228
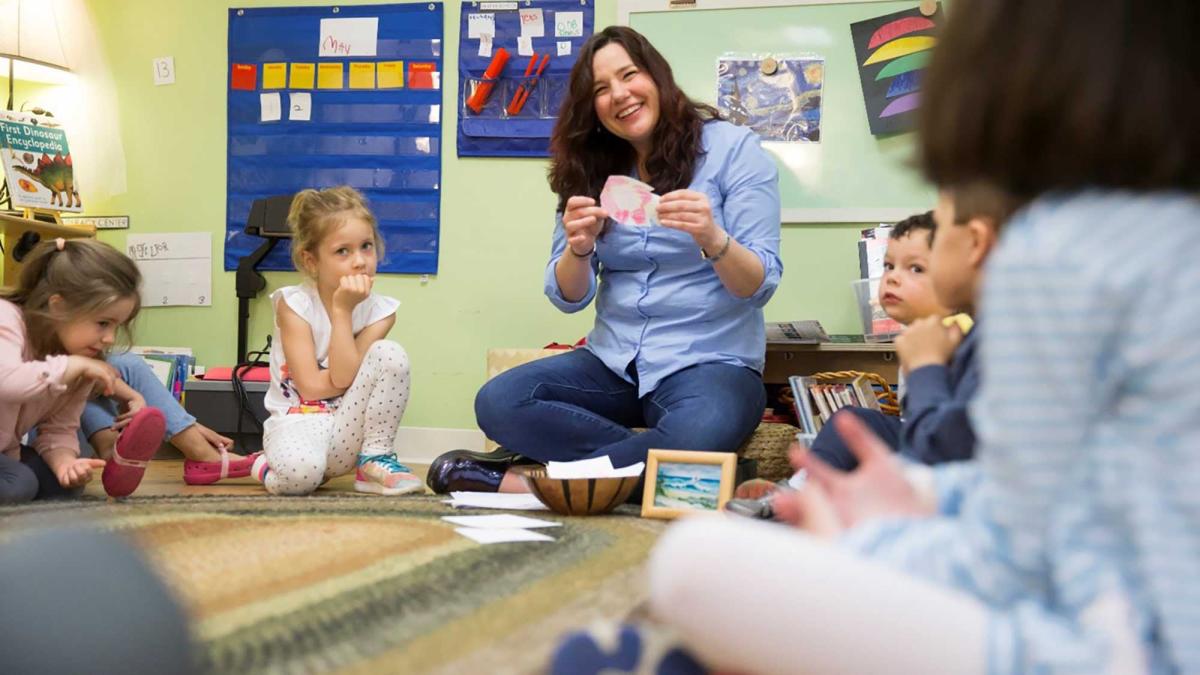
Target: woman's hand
x,y
582,221
102,376
689,211
77,472
352,289
926,342
134,404
833,500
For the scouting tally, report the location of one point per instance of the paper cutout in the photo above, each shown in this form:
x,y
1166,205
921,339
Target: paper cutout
x,y
274,75
176,268
564,48
568,24
899,27
270,108
524,46
892,50
629,201
516,501
244,77
532,23
349,37
329,76
479,25
901,47
903,104
302,75
391,74
904,64
362,75
485,46
501,521
300,106
423,76
905,83
501,536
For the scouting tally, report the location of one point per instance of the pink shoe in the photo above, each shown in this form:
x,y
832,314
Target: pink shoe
x,y
135,447
207,473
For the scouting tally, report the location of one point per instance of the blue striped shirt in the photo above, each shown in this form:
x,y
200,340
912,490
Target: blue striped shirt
x,y
1085,493
657,301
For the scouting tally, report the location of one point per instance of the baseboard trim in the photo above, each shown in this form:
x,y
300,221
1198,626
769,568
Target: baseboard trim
x,y
421,445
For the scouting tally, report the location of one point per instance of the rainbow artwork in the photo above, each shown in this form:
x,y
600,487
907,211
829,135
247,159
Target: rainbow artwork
x,y
892,52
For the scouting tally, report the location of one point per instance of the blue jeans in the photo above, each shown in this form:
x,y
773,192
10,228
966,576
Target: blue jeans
x,y
29,479
572,406
100,413
828,444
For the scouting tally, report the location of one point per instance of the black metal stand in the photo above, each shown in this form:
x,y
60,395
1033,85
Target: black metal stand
x,y
249,283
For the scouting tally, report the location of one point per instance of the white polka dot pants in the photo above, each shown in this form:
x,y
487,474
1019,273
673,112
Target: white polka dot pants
x,y
304,451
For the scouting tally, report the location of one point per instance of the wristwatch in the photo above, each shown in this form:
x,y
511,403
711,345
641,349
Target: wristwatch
x,y
720,254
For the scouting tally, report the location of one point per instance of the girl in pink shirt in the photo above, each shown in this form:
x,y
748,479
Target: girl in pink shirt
x,y
55,328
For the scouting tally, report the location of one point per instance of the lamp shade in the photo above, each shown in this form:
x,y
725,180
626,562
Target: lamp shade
x,y
29,32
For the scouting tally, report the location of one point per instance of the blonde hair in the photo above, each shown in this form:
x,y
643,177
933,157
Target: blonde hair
x,y
87,274
315,212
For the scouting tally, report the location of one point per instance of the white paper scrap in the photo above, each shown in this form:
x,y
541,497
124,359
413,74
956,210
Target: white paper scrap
x,y
501,521
270,107
532,24
497,500
501,536
300,106
596,467
524,46
480,24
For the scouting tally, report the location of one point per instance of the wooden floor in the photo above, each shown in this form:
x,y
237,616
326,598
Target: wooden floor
x,y
164,478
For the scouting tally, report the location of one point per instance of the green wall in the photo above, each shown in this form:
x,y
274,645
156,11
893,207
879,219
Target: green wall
x,y
497,216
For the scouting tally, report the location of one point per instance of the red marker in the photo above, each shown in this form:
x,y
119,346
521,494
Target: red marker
x,y
512,105
532,85
484,90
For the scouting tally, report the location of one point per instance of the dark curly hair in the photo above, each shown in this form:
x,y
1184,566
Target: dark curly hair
x,y
584,154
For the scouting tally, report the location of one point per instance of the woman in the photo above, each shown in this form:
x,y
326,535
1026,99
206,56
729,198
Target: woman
x,y
678,345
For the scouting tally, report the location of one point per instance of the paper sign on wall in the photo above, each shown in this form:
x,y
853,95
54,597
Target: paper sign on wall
x,y
532,24
349,37
479,25
302,76
274,75
568,24
176,268
391,74
271,110
300,106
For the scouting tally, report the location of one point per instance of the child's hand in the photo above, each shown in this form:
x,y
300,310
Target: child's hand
x,y
102,376
877,488
926,342
131,407
77,472
352,289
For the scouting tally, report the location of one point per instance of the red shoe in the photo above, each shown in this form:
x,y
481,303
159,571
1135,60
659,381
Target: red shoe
x,y
207,473
135,447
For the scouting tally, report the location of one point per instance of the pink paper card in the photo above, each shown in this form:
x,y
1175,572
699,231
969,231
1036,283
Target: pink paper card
x,y
629,201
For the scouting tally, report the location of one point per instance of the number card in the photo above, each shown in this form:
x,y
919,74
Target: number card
x,y
176,268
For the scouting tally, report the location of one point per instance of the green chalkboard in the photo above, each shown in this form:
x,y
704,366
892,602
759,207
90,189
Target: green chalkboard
x,y
850,176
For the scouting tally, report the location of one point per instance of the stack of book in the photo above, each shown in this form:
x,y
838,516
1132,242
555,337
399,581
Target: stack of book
x,y
172,365
817,400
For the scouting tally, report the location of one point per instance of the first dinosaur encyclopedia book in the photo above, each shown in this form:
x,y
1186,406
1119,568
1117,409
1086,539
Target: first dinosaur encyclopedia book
x,y
37,163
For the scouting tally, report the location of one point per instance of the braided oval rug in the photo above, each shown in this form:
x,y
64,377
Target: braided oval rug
x,y
353,584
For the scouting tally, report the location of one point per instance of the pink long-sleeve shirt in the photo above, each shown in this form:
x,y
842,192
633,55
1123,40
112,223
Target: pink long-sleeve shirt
x,y
32,393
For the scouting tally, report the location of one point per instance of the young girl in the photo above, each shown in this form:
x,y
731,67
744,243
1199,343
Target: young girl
x,y
1072,542
55,328
338,388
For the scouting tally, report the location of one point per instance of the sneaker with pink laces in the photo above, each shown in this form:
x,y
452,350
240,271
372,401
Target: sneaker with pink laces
x,y
385,475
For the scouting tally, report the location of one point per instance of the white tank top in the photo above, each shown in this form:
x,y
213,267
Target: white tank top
x,y
282,397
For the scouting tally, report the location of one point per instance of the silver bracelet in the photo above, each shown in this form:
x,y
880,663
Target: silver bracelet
x,y
720,254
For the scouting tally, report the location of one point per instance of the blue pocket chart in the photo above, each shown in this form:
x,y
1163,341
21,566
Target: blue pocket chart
x,y
553,30
327,96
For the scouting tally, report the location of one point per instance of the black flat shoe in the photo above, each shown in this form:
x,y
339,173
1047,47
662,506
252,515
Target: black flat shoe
x,y
468,471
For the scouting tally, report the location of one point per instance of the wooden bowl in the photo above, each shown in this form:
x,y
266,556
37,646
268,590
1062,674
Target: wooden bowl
x,y
577,496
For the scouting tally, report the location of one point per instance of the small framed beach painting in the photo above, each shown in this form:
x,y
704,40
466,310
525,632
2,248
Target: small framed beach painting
x,y
680,482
